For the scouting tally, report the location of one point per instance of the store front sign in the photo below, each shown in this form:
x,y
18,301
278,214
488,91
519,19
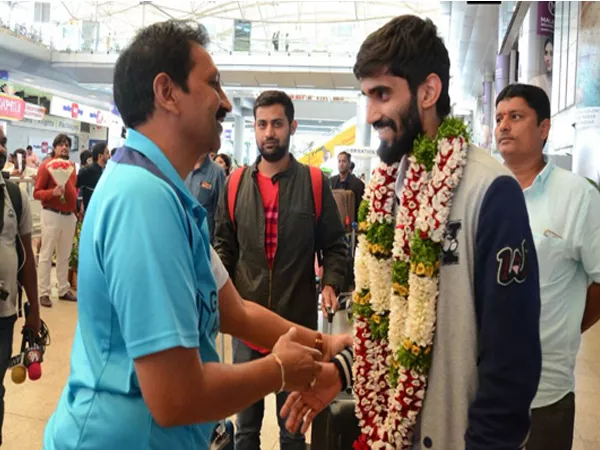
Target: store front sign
x,y
83,113
34,112
11,108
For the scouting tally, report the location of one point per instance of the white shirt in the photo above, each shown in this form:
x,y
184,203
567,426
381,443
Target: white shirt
x,y
564,214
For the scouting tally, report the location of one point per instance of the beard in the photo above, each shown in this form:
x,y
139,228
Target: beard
x,y
277,154
410,121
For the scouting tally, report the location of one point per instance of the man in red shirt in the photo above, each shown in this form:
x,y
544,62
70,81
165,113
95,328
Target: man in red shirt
x,y
269,248
58,224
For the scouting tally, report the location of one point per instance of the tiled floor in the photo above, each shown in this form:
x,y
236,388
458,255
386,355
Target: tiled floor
x,y
28,406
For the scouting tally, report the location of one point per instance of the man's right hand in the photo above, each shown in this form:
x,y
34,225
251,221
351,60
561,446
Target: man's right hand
x,y
58,191
301,408
301,364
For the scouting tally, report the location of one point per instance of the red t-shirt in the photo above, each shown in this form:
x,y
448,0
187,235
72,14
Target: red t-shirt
x,y
45,184
269,192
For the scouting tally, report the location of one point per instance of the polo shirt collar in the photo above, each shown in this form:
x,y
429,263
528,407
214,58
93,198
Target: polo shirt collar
x,y
150,150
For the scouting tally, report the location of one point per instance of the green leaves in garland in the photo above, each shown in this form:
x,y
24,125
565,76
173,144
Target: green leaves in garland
x,y
426,251
381,237
363,211
380,326
425,148
416,358
400,271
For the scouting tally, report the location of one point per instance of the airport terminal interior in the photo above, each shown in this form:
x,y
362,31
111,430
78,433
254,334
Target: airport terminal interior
x,y
57,63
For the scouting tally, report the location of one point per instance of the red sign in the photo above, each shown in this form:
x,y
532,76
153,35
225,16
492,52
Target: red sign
x,y
11,108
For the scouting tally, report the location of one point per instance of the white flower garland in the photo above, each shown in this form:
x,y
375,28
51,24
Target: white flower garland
x,y
388,413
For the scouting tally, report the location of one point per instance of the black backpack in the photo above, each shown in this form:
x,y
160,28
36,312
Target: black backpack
x,y
14,192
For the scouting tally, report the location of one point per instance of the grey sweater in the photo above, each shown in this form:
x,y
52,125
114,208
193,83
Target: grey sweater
x,y
487,356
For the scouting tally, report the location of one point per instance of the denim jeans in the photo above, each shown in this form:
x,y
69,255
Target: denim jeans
x,y
7,326
249,421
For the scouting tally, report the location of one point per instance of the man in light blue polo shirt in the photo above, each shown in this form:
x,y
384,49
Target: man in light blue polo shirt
x,y
145,373
564,214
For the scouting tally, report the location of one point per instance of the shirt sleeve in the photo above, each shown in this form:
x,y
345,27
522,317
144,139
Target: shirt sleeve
x,y
26,222
149,267
507,302
219,270
587,234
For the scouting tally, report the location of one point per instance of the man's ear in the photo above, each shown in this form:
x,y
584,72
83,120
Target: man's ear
x,y
545,128
430,91
293,127
165,95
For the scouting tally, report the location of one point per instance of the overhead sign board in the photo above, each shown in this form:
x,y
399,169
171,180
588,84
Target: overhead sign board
x,y
11,108
69,109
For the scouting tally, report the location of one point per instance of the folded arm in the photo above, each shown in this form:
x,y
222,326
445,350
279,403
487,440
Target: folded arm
x,y
507,301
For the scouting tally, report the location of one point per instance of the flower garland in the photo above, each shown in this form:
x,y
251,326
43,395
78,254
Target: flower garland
x,y
397,266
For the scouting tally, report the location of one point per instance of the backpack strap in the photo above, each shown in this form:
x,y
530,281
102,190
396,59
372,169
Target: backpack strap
x,y
14,193
127,155
316,180
234,185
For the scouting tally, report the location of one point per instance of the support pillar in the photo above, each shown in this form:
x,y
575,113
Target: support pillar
x,y
363,129
238,133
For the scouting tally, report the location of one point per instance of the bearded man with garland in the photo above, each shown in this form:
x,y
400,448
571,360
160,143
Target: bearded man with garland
x,y
446,311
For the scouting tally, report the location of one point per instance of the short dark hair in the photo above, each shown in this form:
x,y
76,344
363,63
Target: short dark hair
x,y
549,40
98,149
535,97
161,47
62,139
270,98
29,147
407,47
84,156
346,154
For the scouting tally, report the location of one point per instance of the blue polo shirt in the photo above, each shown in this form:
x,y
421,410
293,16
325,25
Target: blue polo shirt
x,y
143,288
564,214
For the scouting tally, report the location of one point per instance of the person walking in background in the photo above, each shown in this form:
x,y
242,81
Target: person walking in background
x,y
59,204
88,177
32,159
347,181
564,213
224,160
205,183
268,229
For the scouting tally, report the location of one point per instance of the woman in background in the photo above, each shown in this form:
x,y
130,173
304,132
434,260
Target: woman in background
x,y
224,161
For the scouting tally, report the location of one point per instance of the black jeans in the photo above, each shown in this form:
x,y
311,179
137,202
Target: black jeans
x,y
249,421
552,426
7,327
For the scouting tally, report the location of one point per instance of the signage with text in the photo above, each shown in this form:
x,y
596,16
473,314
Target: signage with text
x,y
83,113
11,108
34,112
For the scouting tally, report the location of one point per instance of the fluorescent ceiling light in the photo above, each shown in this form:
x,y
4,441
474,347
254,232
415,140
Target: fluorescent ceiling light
x,y
268,85
346,87
305,85
232,84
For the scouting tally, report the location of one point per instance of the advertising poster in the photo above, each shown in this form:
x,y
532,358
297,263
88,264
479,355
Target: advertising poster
x,y
545,31
586,154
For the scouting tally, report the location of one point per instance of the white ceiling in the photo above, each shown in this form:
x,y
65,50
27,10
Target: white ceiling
x,y
470,32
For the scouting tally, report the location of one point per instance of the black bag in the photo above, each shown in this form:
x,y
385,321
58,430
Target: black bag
x,y
336,427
